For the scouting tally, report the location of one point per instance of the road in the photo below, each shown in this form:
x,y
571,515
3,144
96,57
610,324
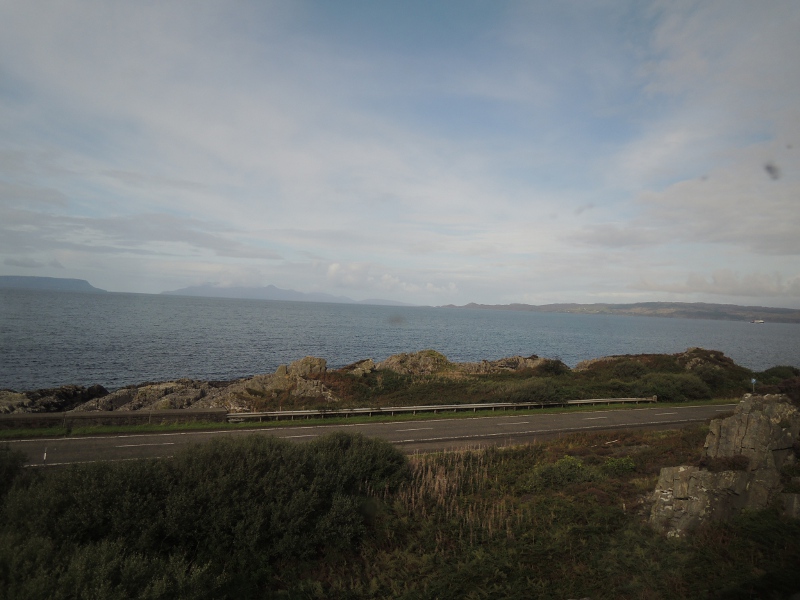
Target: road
x,y
410,436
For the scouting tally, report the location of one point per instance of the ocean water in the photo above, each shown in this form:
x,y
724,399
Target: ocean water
x,y
49,339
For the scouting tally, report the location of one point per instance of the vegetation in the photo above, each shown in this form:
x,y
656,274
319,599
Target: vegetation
x,y
348,517
693,375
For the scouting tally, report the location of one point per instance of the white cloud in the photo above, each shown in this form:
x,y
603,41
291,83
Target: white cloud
x,y
533,151
728,283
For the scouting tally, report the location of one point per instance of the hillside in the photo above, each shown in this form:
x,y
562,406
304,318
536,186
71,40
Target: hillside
x,y
270,292
684,310
47,283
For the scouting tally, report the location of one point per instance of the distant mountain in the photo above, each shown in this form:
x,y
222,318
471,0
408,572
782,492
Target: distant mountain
x,y
22,282
270,292
685,310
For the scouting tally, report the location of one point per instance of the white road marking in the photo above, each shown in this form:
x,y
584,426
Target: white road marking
x,y
417,429
88,462
593,418
299,436
154,444
516,423
272,430
662,414
532,431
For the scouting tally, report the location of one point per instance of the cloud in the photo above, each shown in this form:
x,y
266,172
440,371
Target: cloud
x,y
510,151
25,263
728,283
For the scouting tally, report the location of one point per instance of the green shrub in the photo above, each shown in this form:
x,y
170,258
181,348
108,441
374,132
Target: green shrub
x,y
566,471
532,390
791,387
619,466
777,374
669,387
552,367
226,514
11,462
628,369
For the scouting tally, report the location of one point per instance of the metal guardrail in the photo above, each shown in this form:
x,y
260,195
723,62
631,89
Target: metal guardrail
x,y
137,417
291,415
74,419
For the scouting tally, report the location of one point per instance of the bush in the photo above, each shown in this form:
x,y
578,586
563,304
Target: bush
x,y
678,387
791,387
566,471
533,390
230,514
628,369
619,466
11,462
552,367
778,374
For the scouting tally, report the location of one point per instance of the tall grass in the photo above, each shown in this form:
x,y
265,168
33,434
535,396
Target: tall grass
x,y
347,517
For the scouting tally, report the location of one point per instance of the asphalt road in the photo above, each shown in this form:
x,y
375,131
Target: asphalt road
x,y
410,436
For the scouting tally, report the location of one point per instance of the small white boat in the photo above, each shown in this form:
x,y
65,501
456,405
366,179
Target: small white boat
x,y
757,321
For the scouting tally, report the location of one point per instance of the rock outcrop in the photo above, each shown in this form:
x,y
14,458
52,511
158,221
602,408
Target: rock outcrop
x,y
424,362
512,363
430,362
182,393
760,440
66,397
692,359
360,368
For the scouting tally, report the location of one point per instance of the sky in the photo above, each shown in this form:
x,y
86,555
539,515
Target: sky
x,y
423,151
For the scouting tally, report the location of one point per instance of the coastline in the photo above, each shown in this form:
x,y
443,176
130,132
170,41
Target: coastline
x,y
425,378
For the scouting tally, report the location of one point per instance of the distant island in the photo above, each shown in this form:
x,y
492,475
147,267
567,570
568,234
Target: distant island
x,y
58,284
270,292
683,310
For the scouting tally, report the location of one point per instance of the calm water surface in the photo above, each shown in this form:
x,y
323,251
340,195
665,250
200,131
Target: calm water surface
x,y
54,338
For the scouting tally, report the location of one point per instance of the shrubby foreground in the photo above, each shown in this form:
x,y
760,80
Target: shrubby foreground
x,y
349,517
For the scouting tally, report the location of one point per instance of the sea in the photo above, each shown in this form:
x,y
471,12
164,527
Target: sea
x,y
54,338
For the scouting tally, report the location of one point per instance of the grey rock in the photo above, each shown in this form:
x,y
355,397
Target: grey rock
x,y
307,366
511,363
791,505
311,388
762,428
11,402
424,362
360,368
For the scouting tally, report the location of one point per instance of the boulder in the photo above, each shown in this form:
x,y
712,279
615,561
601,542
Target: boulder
x,y
11,402
791,505
511,363
307,366
360,368
182,393
63,398
424,362
311,388
763,429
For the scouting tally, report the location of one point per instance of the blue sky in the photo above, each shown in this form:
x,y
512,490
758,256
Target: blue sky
x,y
426,152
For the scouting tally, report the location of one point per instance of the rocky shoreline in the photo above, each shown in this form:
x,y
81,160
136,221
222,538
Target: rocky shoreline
x,y
300,379
308,382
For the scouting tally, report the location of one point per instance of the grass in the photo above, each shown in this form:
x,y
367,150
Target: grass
x,y
14,434
8,434
565,518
